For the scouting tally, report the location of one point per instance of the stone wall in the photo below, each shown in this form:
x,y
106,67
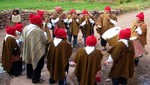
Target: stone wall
x,y
5,16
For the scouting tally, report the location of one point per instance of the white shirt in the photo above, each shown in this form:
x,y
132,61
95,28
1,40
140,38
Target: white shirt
x,y
56,41
89,49
139,31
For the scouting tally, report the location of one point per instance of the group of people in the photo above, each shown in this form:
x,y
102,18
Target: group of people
x,y
35,43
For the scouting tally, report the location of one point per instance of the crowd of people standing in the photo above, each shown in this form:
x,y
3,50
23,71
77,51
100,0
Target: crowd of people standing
x,y
34,43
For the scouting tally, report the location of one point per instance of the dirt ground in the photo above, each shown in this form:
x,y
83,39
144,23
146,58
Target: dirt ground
x,y
142,71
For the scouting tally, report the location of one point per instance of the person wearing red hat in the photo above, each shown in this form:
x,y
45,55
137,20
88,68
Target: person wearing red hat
x,y
88,62
86,24
45,26
58,9
73,24
11,60
139,30
34,46
19,28
104,22
59,19
58,57
122,57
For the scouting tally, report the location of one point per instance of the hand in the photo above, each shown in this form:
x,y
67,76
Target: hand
x,y
72,63
106,63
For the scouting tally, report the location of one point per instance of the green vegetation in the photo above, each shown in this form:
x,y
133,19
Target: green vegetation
x,y
48,5
133,5
76,4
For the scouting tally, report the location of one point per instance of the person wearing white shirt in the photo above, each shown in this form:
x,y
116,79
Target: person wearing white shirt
x,y
87,23
88,62
139,30
73,24
104,22
122,57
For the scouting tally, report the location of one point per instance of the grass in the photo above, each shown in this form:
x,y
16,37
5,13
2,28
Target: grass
x,y
48,5
137,5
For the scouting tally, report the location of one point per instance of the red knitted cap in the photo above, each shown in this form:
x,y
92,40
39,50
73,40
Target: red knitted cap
x,y
72,11
140,16
85,11
10,30
35,19
108,8
91,40
125,33
19,27
60,33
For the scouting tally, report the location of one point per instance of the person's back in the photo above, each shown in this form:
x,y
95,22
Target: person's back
x,y
11,60
122,56
34,45
58,57
88,62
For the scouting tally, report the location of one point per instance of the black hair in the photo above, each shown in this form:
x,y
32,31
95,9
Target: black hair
x,y
17,11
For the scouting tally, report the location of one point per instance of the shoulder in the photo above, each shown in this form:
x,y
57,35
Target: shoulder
x,y
98,51
144,25
81,50
25,28
39,29
118,46
10,39
18,15
65,43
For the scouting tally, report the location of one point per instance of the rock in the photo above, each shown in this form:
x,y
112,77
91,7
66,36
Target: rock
x,y
5,15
